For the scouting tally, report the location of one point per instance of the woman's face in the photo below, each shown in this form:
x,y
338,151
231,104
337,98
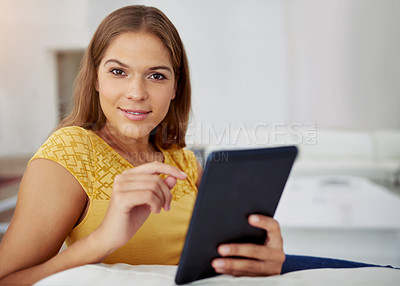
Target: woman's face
x,y
136,84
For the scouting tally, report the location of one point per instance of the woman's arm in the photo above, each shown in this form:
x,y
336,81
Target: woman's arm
x,y
50,201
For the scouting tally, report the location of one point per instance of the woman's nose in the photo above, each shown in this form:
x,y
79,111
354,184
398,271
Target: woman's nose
x,y
136,89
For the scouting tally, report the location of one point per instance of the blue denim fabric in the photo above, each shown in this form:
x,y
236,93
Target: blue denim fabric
x,y
299,262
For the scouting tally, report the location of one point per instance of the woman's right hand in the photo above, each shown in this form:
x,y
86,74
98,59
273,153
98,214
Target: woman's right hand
x,y
136,193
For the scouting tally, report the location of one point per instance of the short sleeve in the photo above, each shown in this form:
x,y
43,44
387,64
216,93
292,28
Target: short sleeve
x,y
191,163
186,161
72,148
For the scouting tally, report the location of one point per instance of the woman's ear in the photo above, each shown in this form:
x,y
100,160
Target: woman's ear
x,y
175,88
96,86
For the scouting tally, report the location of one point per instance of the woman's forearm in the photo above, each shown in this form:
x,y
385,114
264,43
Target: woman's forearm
x,y
84,251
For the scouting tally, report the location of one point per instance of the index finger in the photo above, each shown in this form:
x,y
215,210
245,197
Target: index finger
x,y
157,168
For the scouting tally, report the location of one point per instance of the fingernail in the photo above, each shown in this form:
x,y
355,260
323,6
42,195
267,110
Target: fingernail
x,y
219,263
224,249
183,173
255,218
219,270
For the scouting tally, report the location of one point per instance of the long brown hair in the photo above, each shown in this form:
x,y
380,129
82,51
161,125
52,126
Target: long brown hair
x,y
87,111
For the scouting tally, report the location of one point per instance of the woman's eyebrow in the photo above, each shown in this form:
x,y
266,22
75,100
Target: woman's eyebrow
x,y
116,61
126,66
161,68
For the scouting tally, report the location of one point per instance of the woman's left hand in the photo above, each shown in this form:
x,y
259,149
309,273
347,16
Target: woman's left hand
x,y
263,260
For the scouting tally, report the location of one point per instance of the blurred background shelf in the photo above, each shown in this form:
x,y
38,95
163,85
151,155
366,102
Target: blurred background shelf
x,y
11,170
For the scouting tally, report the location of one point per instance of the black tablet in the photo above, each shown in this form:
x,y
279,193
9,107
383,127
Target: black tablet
x,y
234,185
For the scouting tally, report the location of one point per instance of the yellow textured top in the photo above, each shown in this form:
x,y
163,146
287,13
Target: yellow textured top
x,y
95,164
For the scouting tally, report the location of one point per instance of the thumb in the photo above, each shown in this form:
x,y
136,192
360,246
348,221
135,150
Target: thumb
x,y
170,181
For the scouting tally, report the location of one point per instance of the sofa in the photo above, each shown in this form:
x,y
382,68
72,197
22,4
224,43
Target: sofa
x,y
374,155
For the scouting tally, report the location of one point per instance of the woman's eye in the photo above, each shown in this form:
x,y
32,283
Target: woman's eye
x,y
157,76
118,72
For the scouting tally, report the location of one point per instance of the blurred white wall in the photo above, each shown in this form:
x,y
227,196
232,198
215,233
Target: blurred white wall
x,y
236,51
30,33
252,62
344,63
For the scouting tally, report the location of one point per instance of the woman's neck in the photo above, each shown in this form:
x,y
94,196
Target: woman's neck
x,y
135,151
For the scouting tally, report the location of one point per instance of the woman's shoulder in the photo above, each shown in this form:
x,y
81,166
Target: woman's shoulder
x,y
72,148
72,135
70,140
71,131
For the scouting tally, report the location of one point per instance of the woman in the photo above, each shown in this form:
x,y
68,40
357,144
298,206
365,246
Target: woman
x,y
114,181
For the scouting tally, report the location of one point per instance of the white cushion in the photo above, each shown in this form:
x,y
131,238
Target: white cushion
x,y
343,145
156,275
387,144
360,168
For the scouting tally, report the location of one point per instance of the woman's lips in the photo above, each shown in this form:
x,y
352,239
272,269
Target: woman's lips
x,y
135,115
